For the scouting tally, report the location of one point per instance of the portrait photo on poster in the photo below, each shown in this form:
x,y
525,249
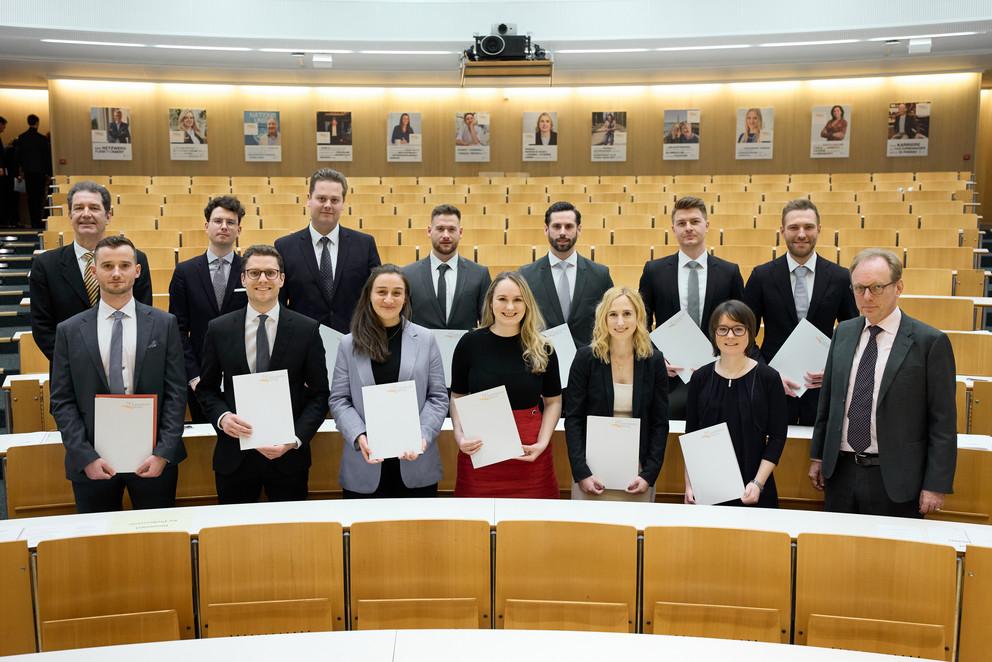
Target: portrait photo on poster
x,y
830,131
540,136
404,137
110,133
908,128
755,132
681,142
263,135
334,135
609,135
472,136
187,134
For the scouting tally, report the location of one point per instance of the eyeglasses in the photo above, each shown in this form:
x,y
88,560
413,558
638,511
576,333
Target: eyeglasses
x,y
727,330
876,289
255,274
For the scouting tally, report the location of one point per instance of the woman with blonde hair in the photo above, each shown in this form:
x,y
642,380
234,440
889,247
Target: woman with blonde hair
x,y
544,131
508,350
753,124
621,374
190,128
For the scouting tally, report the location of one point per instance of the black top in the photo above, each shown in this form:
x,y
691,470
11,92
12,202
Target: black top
x,y
753,407
388,372
483,360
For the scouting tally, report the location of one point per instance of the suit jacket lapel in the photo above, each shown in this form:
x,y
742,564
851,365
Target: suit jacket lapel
x,y
310,259
581,276
408,352
343,242
783,281
88,330
427,282
845,355
233,281
670,286
550,293
285,330
607,375
202,267
715,272
640,368
70,271
461,275
820,278
900,348
143,322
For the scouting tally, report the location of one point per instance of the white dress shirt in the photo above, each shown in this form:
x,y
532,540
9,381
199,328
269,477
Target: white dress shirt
x,y
811,265
104,329
684,283
571,273
885,339
332,247
251,331
450,279
81,258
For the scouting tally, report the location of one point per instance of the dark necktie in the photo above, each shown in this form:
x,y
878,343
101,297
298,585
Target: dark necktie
x,y
859,411
442,291
326,267
262,346
219,282
115,374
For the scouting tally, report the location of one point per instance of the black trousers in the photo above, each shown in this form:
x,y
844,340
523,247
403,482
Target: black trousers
x,y
34,187
391,485
258,473
196,414
101,496
678,394
858,489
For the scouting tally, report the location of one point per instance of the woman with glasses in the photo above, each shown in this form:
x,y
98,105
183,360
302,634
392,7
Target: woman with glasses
x,y
747,396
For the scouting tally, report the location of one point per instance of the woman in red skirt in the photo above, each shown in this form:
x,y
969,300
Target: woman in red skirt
x,y
509,350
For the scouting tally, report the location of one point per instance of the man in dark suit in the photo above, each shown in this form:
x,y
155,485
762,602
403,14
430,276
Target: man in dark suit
x,y
203,287
452,300
798,285
34,157
119,131
691,280
567,286
326,264
8,210
262,337
59,284
121,347
885,440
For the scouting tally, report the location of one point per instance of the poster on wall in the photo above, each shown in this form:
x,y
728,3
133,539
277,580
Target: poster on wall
x,y
755,132
681,135
263,135
403,138
609,136
909,129
334,135
187,134
110,133
472,137
540,137
830,132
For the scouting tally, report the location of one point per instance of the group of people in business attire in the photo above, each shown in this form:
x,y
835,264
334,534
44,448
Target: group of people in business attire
x,y
25,165
867,458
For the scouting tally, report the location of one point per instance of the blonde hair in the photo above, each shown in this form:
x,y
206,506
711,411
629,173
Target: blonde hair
x,y
601,331
537,349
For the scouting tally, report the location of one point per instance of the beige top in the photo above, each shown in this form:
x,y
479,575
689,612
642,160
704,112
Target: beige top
x,y
623,400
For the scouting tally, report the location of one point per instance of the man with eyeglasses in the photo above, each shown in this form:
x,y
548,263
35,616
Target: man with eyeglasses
x,y
799,285
262,337
208,286
885,439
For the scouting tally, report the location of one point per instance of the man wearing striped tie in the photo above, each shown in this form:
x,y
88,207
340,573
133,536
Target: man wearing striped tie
x,y
61,283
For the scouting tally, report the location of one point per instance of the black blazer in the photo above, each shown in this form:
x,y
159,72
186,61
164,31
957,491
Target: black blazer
x,y
769,294
34,153
78,376
357,256
590,393
192,301
553,141
58,292
660,287
298,349
591,282
471,284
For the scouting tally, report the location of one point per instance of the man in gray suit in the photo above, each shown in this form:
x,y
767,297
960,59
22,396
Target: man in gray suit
x,y
452,300
120,346
567,286
885,440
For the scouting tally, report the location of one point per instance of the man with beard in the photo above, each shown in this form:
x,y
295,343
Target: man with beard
x,y
799,285
567,286
447,290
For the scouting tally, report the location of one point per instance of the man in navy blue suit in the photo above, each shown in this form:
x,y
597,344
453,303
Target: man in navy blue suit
x,y
203,287
326,264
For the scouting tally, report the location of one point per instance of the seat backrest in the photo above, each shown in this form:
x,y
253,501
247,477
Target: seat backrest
x,y
16,608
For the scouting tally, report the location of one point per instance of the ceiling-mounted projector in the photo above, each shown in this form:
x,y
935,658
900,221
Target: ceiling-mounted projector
x,y
504,44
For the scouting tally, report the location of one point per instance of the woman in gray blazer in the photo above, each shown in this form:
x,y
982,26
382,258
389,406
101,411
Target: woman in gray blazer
x,y
384,347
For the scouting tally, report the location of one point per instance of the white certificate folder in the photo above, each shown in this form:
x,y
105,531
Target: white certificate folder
x,y
612,449
561,337
262,399
447,340
712,465
125,428
486,415
683,344
392,419
804,351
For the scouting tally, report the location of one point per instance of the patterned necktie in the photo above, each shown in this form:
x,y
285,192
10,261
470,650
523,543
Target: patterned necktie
x,y
442,290
692,296
564,296
801,294
859,411
89,279
326,266
220,282
262,346
115,374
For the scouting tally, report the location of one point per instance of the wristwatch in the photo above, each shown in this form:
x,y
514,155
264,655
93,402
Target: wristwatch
x,y
761,487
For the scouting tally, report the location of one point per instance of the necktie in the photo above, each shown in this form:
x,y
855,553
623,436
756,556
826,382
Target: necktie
x,y
801,295
220,282
89,279
859,411
326,266
442,290
692,297
564,296
262,346
115,374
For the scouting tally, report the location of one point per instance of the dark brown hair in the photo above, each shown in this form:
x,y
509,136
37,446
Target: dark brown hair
x,y
261,250
329,175
739,312
446,210
228,202
689,202
800,204
113,241
367,332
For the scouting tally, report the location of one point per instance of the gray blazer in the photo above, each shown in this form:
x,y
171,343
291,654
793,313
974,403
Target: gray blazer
x,y
915,417
420,360
591,282
471,283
